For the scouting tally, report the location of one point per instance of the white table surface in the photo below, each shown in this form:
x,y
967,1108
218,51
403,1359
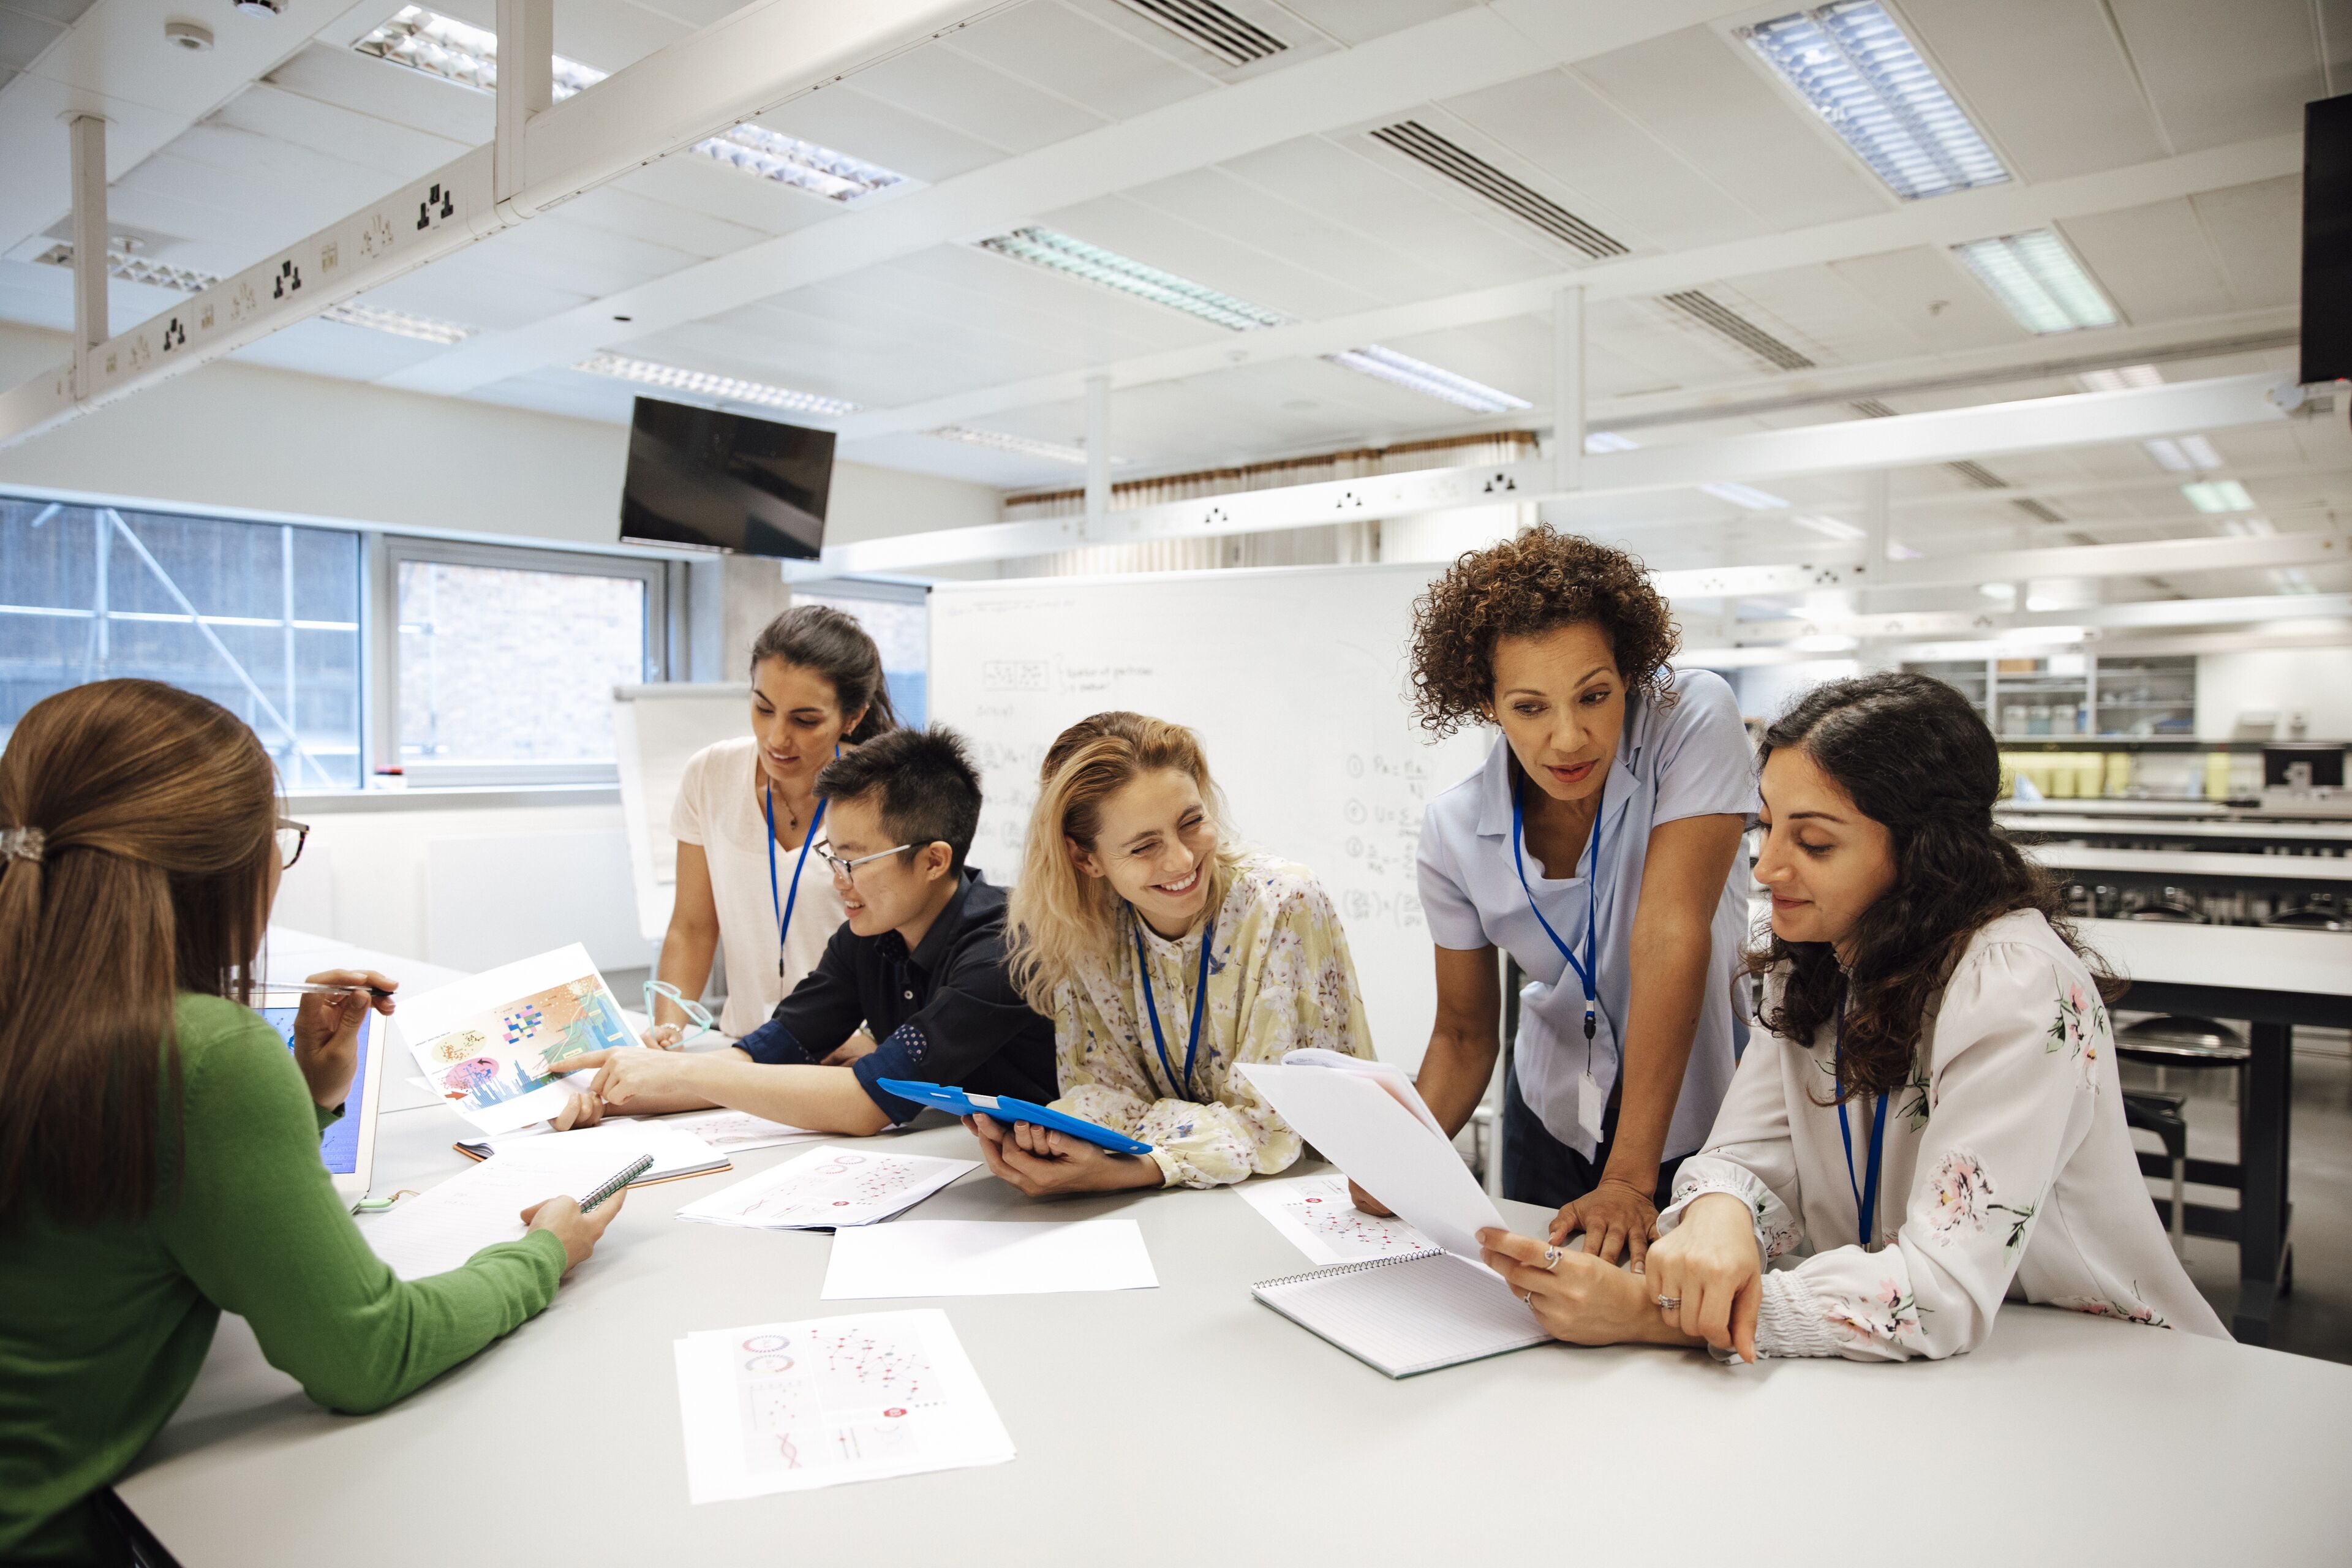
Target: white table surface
x,y
1159,1426
2194,863
2249,958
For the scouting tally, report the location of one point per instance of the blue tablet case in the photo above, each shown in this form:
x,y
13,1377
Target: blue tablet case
x,y
1004,1107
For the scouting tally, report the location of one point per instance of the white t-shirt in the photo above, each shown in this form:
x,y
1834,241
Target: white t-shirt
x,y
719,809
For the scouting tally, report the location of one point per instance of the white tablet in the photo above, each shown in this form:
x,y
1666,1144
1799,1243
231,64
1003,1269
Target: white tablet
x,y
349,1145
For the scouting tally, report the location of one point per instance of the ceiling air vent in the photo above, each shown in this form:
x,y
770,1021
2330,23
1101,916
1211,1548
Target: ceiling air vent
x,y
1232,40
1984,479
1731,324
1421,144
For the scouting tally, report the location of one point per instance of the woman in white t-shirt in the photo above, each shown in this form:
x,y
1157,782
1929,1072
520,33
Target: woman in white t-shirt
x,y
747,812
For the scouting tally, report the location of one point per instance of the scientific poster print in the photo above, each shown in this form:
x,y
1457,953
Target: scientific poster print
x,y
778,1407
492,1045
1319,1217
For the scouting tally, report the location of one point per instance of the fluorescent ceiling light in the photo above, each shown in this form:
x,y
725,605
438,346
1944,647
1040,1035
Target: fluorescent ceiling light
x,y
1415,375
1999,592
1746,496
1073,257
2248,527
2042,635
1063,253
2118,379
2185,455
1854,64
1608,441
1898,550
351,313
1830,526
2218,495
1825,642
2038,281
1022,446
2291,580
454,51
703,383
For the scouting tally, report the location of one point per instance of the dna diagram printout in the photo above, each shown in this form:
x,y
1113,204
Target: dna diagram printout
x,y
827,1187
790,1407
1319,1217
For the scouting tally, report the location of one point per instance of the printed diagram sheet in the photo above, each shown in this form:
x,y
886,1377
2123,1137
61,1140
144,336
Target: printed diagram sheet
x,y
779,1407
731,1130
1319,1215
827,1187
491,1045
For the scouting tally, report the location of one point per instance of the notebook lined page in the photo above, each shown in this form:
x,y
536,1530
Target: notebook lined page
x,y
1408,1314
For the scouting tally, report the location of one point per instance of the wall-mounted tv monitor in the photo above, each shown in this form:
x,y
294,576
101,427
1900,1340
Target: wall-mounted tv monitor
x,y
725,481
2327,240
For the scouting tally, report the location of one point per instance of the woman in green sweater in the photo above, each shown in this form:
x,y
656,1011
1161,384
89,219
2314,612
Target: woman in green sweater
x,y
144,1192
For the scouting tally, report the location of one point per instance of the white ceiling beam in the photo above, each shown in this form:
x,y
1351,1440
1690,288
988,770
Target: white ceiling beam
x,y
765,55
2033,425
1946,220
115,62
2137,615
2319,632
1455,54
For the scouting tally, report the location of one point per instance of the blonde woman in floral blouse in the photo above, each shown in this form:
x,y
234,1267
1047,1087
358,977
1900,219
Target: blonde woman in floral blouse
x,y
1940,1060
1166,957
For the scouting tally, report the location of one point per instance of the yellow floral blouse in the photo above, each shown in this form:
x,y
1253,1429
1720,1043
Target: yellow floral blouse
x,y
1279,980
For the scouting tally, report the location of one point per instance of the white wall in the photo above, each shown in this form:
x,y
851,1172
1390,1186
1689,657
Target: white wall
x,y
1766,690
2315,680
261,439
468,887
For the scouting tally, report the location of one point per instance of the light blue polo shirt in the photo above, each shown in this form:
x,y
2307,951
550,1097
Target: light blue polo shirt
x,y
1687,759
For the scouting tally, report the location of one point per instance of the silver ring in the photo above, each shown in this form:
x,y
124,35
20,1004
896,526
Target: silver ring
x,y
1529,1296
1551,1259
1669,1302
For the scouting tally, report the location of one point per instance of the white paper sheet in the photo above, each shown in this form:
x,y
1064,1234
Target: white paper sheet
x,y
439,1229
1360,1127
737,1130
491,1044
828,1187
780,1407
1387,1075
1319,1217
987,1257
676,1151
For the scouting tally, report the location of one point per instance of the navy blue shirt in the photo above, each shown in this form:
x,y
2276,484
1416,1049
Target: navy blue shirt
x,y
945,1012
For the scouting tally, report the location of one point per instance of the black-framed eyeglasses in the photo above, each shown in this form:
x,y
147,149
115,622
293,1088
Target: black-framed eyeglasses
x,y
847,870
291,837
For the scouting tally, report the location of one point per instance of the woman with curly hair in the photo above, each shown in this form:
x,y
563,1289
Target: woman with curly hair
x,y
1597,846
1940,1061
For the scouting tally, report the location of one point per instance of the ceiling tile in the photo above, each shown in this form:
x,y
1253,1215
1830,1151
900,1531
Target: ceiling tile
x,y
2001,59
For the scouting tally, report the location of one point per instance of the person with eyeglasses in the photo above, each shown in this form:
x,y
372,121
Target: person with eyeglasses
x,y
159,1142
919,961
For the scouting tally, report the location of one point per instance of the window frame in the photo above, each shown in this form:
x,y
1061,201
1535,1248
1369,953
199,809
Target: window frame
x,y
386,554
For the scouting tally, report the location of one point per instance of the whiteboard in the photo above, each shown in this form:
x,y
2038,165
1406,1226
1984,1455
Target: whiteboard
x,y
656,730
1293,677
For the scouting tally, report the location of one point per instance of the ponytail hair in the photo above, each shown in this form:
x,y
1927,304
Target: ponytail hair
x,y
832,643
1059,918
139,823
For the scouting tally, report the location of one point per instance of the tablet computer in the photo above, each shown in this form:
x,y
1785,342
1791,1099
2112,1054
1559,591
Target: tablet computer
x,y
1004,1107
347,1145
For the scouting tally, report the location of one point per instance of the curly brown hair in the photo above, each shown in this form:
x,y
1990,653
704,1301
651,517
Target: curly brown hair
x,y
1523,587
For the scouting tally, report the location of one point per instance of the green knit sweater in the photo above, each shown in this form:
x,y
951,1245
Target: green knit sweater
x,y
102,1328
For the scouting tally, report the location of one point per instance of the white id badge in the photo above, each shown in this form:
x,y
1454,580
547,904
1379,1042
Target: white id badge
x,y
1591,1103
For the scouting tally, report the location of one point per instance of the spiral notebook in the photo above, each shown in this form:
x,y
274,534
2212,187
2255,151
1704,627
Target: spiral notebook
x,y
1411,1313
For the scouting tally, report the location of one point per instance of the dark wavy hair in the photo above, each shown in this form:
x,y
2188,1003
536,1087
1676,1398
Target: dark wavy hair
x,y
1914,757
1524,588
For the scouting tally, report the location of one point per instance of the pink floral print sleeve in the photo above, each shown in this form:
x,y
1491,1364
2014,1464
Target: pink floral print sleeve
x,y
2009,1173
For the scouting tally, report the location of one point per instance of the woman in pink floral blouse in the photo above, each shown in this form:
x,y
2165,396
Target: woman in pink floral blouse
x,y
1939,1059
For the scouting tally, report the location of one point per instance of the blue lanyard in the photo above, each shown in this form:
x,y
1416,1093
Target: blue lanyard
x,y
1865,1197
1200,996
1586,971
784,906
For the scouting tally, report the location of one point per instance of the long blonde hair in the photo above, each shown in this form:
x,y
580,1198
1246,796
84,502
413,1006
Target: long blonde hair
x,y
1059,917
